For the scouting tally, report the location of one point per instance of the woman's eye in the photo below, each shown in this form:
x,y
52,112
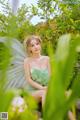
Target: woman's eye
x,y
32,45
37,43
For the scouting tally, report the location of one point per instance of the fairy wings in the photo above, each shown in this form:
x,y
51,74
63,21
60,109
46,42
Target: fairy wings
x,y
15,72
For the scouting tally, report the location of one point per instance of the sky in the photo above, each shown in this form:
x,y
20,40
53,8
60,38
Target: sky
x,y
35,19
28,2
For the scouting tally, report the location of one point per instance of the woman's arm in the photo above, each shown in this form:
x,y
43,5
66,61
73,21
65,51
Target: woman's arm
x,y
49,68
48,65
28,76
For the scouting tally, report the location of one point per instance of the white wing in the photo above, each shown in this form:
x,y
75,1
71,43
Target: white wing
x,y
15,73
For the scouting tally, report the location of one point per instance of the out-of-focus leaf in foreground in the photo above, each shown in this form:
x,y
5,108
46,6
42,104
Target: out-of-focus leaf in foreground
x,y
62,65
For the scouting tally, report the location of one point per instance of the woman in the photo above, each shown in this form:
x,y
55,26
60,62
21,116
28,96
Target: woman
x,y
37,68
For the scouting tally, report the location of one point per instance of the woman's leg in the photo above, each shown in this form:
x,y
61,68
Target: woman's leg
x,y
71,115
39,95
43,97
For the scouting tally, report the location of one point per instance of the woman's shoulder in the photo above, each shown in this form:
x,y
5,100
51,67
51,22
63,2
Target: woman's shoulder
x,y
45,57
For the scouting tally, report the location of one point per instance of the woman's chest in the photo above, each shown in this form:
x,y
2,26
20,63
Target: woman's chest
x,y
40,64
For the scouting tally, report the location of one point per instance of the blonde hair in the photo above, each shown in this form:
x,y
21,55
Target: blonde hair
x,y
27,42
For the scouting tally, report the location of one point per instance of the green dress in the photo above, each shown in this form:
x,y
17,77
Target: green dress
x,y
40,76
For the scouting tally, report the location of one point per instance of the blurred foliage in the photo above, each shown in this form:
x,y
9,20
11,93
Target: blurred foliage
x,y
48,8
62,64
23,108
69,20
4,56
16,26
60,17
4,64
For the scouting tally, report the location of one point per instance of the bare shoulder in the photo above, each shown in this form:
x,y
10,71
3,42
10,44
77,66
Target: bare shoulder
x,y
46,57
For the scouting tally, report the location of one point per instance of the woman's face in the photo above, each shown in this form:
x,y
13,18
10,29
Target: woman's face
x,y
35,47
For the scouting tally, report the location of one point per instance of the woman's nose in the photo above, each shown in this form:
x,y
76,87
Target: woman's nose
x,y
36,46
